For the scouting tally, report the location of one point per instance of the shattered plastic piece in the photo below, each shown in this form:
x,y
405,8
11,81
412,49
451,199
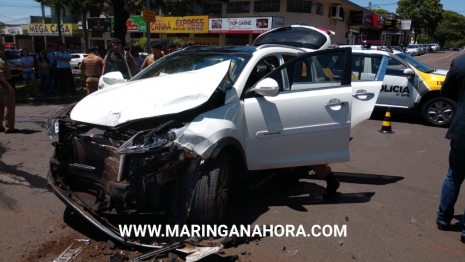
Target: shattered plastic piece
x,y
173,257
341,242
291,253
413,220
153,253
284,248
119,257
347,218
243,253
73,250
197,253
110,244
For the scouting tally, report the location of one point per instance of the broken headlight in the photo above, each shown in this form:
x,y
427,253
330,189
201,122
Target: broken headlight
x,y
148,140
52,126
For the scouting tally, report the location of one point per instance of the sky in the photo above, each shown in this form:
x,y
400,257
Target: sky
x,y
391,5
18,11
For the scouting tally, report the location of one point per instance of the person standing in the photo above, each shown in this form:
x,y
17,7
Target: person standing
x,y
171,47
332,184
154,56
7,97
53,66
91,69
137,59
116,44
27,63
44,69
453,87
65,75
164,46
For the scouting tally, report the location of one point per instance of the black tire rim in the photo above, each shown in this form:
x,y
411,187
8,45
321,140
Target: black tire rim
x,y
440,112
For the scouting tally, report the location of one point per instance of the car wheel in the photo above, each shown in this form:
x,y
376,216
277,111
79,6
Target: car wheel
x,y
79,65
212,191
439,111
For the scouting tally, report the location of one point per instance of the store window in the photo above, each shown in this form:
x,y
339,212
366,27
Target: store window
x,y
299,6
8,38
238,7
96,34
267,6
211,8
319,8
136,35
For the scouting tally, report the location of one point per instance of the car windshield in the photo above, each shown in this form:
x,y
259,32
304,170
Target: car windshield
x,y
416,63
412,46
188,61
12,54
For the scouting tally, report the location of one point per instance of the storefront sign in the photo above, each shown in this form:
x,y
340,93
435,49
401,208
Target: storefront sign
x,y
182,25
406,24
52,29
133,24
389,24
244,25
99,25
12,29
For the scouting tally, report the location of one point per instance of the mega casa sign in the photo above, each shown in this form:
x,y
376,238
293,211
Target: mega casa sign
x,y
185,24
51,29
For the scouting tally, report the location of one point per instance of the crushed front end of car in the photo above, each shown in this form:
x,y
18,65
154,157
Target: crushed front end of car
x,y
133,168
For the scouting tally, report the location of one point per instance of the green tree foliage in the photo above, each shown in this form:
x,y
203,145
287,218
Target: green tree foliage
x,y
451,30
380,11
425,14
2,26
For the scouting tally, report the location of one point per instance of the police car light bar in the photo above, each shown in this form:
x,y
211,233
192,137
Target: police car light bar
x,y
329,32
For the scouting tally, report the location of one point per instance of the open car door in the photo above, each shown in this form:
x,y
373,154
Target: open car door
x,y
116,69
299,115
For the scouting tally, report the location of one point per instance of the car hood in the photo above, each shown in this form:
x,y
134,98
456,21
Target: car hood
x,y
442,72
150,97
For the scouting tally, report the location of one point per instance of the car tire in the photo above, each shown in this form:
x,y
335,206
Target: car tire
x,y
211,194
439,111
79,65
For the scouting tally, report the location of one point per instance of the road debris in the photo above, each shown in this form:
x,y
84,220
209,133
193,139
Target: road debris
x,y
284,248
119,257
153,253
243,253
197,253
73,250
291,253
413,220
347,218
341,242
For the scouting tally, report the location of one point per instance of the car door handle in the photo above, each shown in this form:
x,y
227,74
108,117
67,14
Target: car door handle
x,y
364,94
339,103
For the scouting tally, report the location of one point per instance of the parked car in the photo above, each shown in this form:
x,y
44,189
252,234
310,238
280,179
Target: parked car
x,y
76,60
435,47
12,56
173,139
413,50
408,84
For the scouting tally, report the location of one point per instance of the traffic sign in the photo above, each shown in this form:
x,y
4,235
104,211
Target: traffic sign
x,y
149,15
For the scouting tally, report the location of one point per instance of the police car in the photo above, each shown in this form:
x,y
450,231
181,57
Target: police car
x,y
408,83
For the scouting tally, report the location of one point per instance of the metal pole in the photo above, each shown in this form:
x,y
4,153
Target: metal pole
x,y
148,28
58,15
43,22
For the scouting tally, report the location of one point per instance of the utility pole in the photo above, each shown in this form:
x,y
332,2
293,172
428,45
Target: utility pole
x,y
369,5
147,3
58,15
43,22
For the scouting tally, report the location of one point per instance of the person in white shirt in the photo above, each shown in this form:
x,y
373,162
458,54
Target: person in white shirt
x,y
53,75
28,63
65,76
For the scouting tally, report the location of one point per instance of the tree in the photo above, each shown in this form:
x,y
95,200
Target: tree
x,y
380,11
425,15
2,26
451,29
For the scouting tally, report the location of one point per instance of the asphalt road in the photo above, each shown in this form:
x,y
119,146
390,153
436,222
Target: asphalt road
x,y
388,202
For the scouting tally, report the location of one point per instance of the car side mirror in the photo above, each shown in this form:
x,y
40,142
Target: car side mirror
x,y
408,71
112,78
267,87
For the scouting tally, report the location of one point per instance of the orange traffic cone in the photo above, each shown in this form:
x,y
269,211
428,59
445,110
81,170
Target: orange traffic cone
x,y
386,127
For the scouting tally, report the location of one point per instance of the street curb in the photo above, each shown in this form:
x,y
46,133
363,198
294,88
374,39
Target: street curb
x,y
55,99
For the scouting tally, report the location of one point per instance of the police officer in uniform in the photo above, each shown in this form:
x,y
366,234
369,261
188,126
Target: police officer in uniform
x,y
154,56
117,44
7,96
91,69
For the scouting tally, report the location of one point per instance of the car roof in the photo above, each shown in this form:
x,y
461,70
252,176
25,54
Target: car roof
x,y
221,49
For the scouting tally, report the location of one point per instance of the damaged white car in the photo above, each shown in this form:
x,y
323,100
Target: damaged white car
x,y
173,138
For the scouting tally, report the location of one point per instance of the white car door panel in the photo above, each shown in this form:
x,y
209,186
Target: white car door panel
x,y
308,124
397,89
365,94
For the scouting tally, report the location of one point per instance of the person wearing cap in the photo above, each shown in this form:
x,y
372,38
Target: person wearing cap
x,y
91,69
118,45
7,97
164,46
171,47
154,56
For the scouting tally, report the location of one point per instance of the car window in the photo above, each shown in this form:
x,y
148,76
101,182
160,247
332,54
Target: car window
x,y
293,36
365,68
309,73
395,67
12,54
261,69
416,63
190,61
74,56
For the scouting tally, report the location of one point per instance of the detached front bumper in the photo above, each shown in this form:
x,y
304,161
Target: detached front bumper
x,y
72,201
